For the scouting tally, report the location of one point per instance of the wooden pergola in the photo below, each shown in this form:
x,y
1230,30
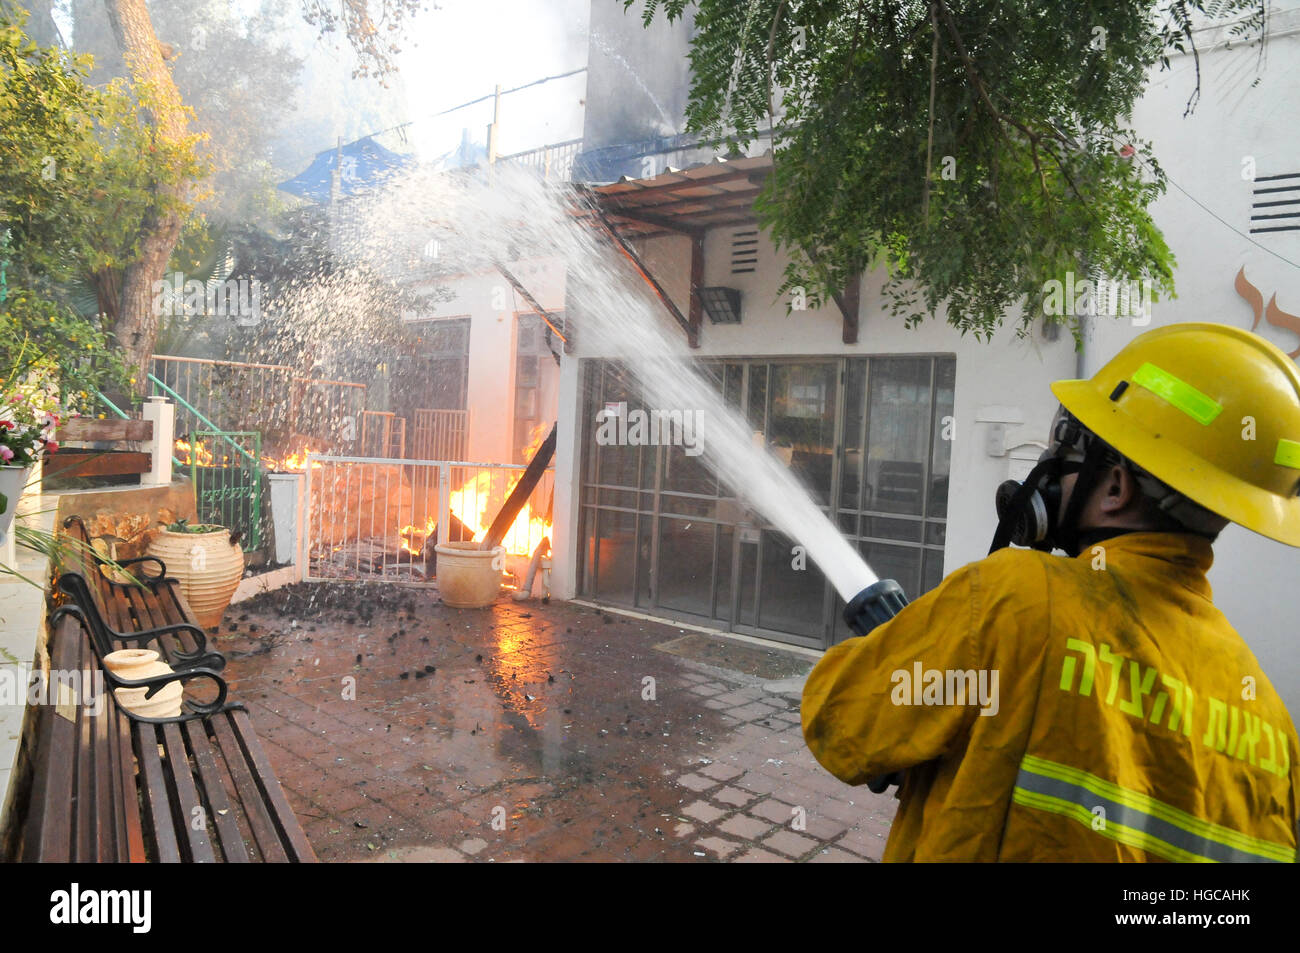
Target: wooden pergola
x,y
689,202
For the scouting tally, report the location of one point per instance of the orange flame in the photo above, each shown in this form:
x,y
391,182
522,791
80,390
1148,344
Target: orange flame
x,y
295,462
202,455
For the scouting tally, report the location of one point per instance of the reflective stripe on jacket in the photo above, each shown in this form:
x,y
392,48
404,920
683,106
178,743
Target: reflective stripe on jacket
x,y
1096,708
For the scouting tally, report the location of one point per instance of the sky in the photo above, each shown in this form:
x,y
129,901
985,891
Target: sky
x,y
462,50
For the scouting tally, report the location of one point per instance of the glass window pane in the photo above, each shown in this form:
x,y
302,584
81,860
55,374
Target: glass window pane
x,y
793,590
722,604
900,563
801,421
685,565
757,406
945,371
899,438
855,399
613,553
933,573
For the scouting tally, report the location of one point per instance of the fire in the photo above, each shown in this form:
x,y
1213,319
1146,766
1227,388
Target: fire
x,y
298,460
408,534
295,462
475,504
202,455
535,440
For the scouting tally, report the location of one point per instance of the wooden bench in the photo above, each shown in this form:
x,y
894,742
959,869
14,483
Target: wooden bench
x,y
108,786
151,615
72,462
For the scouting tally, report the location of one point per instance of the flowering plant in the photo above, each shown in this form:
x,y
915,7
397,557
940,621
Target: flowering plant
x,y
29,415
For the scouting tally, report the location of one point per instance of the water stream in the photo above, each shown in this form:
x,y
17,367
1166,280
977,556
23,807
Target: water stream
x,y
478,222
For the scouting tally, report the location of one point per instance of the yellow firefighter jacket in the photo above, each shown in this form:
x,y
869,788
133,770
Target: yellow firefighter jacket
x,y
1096,708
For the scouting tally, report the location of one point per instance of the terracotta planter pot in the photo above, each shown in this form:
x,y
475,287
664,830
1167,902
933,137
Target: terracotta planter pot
x,y
207,566
144,663
467,578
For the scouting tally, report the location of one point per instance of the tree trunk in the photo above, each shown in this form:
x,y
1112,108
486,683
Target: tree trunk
x,y
136,324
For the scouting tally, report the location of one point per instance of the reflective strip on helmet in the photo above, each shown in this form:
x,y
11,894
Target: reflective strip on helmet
x,y
1136,819
1288,454
1200,407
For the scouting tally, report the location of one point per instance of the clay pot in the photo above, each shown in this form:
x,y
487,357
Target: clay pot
x,y
144,663
467,576
208,567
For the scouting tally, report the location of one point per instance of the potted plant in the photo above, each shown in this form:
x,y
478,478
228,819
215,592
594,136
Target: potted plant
x,y
206,560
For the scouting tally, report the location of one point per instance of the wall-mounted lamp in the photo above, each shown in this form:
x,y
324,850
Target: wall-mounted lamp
x,y
722,304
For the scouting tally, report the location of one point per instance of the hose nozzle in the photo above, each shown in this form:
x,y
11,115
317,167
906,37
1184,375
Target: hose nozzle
x,y
874,605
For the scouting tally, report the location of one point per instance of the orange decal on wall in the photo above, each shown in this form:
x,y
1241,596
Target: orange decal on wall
x,y
1273,314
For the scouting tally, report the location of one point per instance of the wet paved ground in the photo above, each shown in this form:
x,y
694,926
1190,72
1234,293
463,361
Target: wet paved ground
x,y
406,730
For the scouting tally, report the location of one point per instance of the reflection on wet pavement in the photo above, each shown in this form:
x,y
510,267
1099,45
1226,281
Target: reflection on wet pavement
x,y
406,730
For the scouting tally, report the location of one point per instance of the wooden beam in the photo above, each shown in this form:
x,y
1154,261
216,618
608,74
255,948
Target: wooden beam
x,y
67,464
639,265
658,221
89,429
631,188
697,280
701,205
849,303
520,494
527,296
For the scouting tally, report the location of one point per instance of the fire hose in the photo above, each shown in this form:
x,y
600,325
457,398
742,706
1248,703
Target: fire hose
x,y
874,606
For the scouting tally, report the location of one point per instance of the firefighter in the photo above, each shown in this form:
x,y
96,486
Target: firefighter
x,y
1131,721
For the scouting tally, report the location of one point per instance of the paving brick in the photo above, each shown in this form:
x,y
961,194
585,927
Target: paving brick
x,y
745,827
756,855
778,812
750,712
718,845
696,783
790,843
833,855
757,782
733,796
721,771
703,811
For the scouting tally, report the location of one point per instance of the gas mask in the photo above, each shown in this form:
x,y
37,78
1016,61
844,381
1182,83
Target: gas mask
x,y
1029,513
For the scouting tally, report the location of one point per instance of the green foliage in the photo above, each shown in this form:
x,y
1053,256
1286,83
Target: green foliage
x,y
183,525
1023,171
82,174
37,333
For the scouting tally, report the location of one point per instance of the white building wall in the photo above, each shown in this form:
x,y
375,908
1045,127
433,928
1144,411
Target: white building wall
x,y
492,306
1205,218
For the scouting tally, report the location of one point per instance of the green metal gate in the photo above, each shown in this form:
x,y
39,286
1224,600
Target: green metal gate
x,y
228,485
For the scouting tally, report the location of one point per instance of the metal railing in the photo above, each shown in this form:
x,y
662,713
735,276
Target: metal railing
x,y
265,397
441,435
554,161
228,487
383,434
378,518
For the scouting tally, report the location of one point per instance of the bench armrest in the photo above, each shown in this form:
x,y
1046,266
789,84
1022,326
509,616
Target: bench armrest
x,y
76,586
155,684
147,580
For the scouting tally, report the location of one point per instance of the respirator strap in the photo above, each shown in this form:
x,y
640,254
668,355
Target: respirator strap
x,y
1067,534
